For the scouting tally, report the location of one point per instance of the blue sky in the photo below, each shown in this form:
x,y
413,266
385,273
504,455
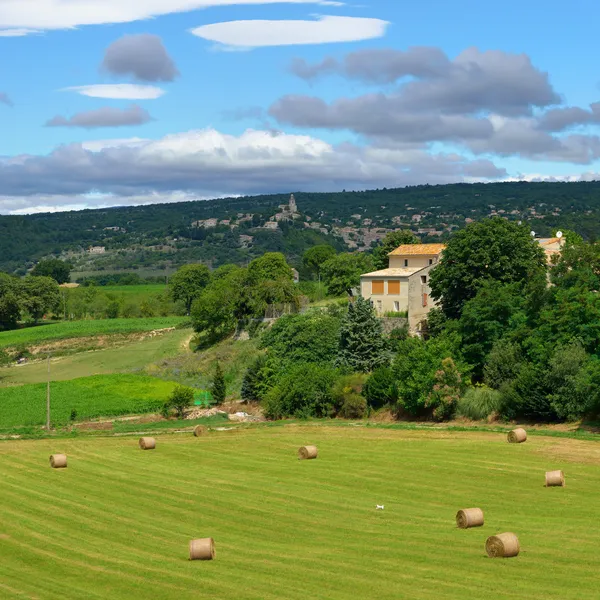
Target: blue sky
x,y
244,96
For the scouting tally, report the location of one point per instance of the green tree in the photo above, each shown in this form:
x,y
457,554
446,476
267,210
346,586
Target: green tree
x,y
10,310
389,243
503,364
269,292
309,337
187,283
40,295
496,309
271,266
180,400
58,270
219,307
314,257
492,249
219,389
416,369
342,272
362,345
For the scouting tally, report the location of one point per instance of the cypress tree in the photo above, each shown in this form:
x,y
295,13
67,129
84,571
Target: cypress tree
x,y
362,346
219,390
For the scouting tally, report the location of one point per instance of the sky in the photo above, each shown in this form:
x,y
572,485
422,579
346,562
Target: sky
x,y
122,102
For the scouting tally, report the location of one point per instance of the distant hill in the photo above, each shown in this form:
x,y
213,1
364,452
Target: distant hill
x,y
161,237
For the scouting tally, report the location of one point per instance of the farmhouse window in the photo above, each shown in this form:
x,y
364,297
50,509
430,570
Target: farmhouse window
x,y
425,298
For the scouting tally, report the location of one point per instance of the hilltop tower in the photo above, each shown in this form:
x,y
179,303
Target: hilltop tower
x,y
292,205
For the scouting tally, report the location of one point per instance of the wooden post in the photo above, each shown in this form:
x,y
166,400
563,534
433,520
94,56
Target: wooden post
x,y
48,398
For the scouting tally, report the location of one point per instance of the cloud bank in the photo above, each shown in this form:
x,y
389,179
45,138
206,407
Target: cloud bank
x,y
207,163
490,103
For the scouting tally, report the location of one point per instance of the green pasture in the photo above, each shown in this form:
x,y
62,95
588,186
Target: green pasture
x,y
62,330
97,396
116,523
132,356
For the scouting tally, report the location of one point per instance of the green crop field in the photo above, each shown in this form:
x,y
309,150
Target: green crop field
x,y
101,395
116,523
76,329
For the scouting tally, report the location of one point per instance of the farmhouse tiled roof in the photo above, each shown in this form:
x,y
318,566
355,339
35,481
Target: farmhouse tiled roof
x,y
418,250
405,272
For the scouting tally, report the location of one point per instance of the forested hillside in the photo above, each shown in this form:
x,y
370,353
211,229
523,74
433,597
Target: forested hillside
x,y
164,236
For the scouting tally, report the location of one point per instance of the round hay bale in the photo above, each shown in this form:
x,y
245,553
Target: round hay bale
x,y
503,545
517,436
555,479
202,549
200,430
469,517
58,461
307,452
147,443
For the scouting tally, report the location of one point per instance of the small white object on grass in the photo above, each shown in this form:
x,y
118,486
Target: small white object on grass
x,y
379,507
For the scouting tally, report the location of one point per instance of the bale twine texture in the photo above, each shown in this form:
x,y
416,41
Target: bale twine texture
x,y
469,517
503,545
200,430
517,436
307,452
202,549
555,479
147,443
58,461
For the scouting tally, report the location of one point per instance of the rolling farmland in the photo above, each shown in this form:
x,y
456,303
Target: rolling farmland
x,y
116,523
77,329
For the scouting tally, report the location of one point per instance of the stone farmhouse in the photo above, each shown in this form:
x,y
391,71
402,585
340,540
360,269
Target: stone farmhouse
x,y
404,286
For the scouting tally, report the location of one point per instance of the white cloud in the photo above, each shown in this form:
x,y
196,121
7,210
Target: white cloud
x,y
17,32
323,30
118,91
99,145
66,14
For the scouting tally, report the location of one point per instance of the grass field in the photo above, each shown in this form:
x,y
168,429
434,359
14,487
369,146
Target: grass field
x,y
74,329
116,523
128,357
197,368
101,395
134,290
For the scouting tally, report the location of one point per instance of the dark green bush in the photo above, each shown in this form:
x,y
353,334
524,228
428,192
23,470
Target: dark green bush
x,y
380,388
303,391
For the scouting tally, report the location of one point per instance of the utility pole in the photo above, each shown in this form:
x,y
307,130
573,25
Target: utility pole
x,y
48,398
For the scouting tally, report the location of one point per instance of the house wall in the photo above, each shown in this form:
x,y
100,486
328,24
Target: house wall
x,y
416,291
398,262
386,302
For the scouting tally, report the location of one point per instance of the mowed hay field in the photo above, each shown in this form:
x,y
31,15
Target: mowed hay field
x,y
116,523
